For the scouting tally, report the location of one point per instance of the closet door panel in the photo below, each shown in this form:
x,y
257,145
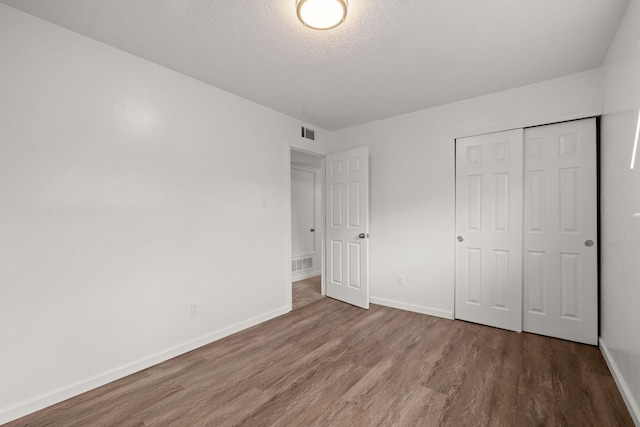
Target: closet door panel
x,y
489,229
560,231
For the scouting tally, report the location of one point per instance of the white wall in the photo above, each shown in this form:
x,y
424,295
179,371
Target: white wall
x,y
127,191
412,182
620,199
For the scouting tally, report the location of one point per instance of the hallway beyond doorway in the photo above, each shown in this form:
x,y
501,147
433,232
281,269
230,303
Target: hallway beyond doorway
x,y
306,291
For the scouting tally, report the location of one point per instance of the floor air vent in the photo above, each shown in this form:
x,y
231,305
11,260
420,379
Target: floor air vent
x,y
301,264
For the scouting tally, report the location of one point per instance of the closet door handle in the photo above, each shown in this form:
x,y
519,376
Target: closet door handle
x,y
588,243
460,239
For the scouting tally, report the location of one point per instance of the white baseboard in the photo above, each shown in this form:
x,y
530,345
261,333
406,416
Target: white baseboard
x,y
58,395
304,275
412,307
632,405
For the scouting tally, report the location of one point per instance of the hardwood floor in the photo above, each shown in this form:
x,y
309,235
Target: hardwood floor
x,y
330,364
306,292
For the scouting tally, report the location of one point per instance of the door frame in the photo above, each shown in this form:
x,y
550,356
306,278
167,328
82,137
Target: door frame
x,y
525,123
289,250
595,113
541,121
317,213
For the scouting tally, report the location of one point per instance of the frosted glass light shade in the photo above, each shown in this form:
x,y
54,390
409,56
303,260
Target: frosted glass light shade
x,y
322,14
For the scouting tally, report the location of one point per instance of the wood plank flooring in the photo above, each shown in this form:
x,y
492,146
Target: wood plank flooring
x,y
306,292
330,364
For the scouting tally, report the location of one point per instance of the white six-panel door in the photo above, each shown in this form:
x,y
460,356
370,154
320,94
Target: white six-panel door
x,y
488,286
347,218
560,231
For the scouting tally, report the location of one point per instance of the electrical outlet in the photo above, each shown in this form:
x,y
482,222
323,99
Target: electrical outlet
x,y
195,309
400,279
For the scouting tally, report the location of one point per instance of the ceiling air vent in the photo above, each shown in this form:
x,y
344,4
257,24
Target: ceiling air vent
x,y
308,133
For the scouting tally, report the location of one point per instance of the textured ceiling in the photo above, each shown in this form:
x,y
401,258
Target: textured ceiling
x,y
389,57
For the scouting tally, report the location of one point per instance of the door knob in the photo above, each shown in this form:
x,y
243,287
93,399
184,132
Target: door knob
x,y
588,243
312,230
363,235
460,239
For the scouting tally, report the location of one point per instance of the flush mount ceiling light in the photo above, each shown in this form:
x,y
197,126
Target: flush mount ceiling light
x,y
322,14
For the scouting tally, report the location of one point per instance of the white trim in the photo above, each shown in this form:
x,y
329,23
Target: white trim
x,y
52,397
584,114
632,405
635,144
317,150
412,307
288,253
323,225
311,254
304,168
305,274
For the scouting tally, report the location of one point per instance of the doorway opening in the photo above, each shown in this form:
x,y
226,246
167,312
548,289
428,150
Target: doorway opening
x,y
341,230
307,227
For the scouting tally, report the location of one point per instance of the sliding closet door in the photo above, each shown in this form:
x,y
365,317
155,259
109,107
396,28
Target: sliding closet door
x,y
489,229
560,231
